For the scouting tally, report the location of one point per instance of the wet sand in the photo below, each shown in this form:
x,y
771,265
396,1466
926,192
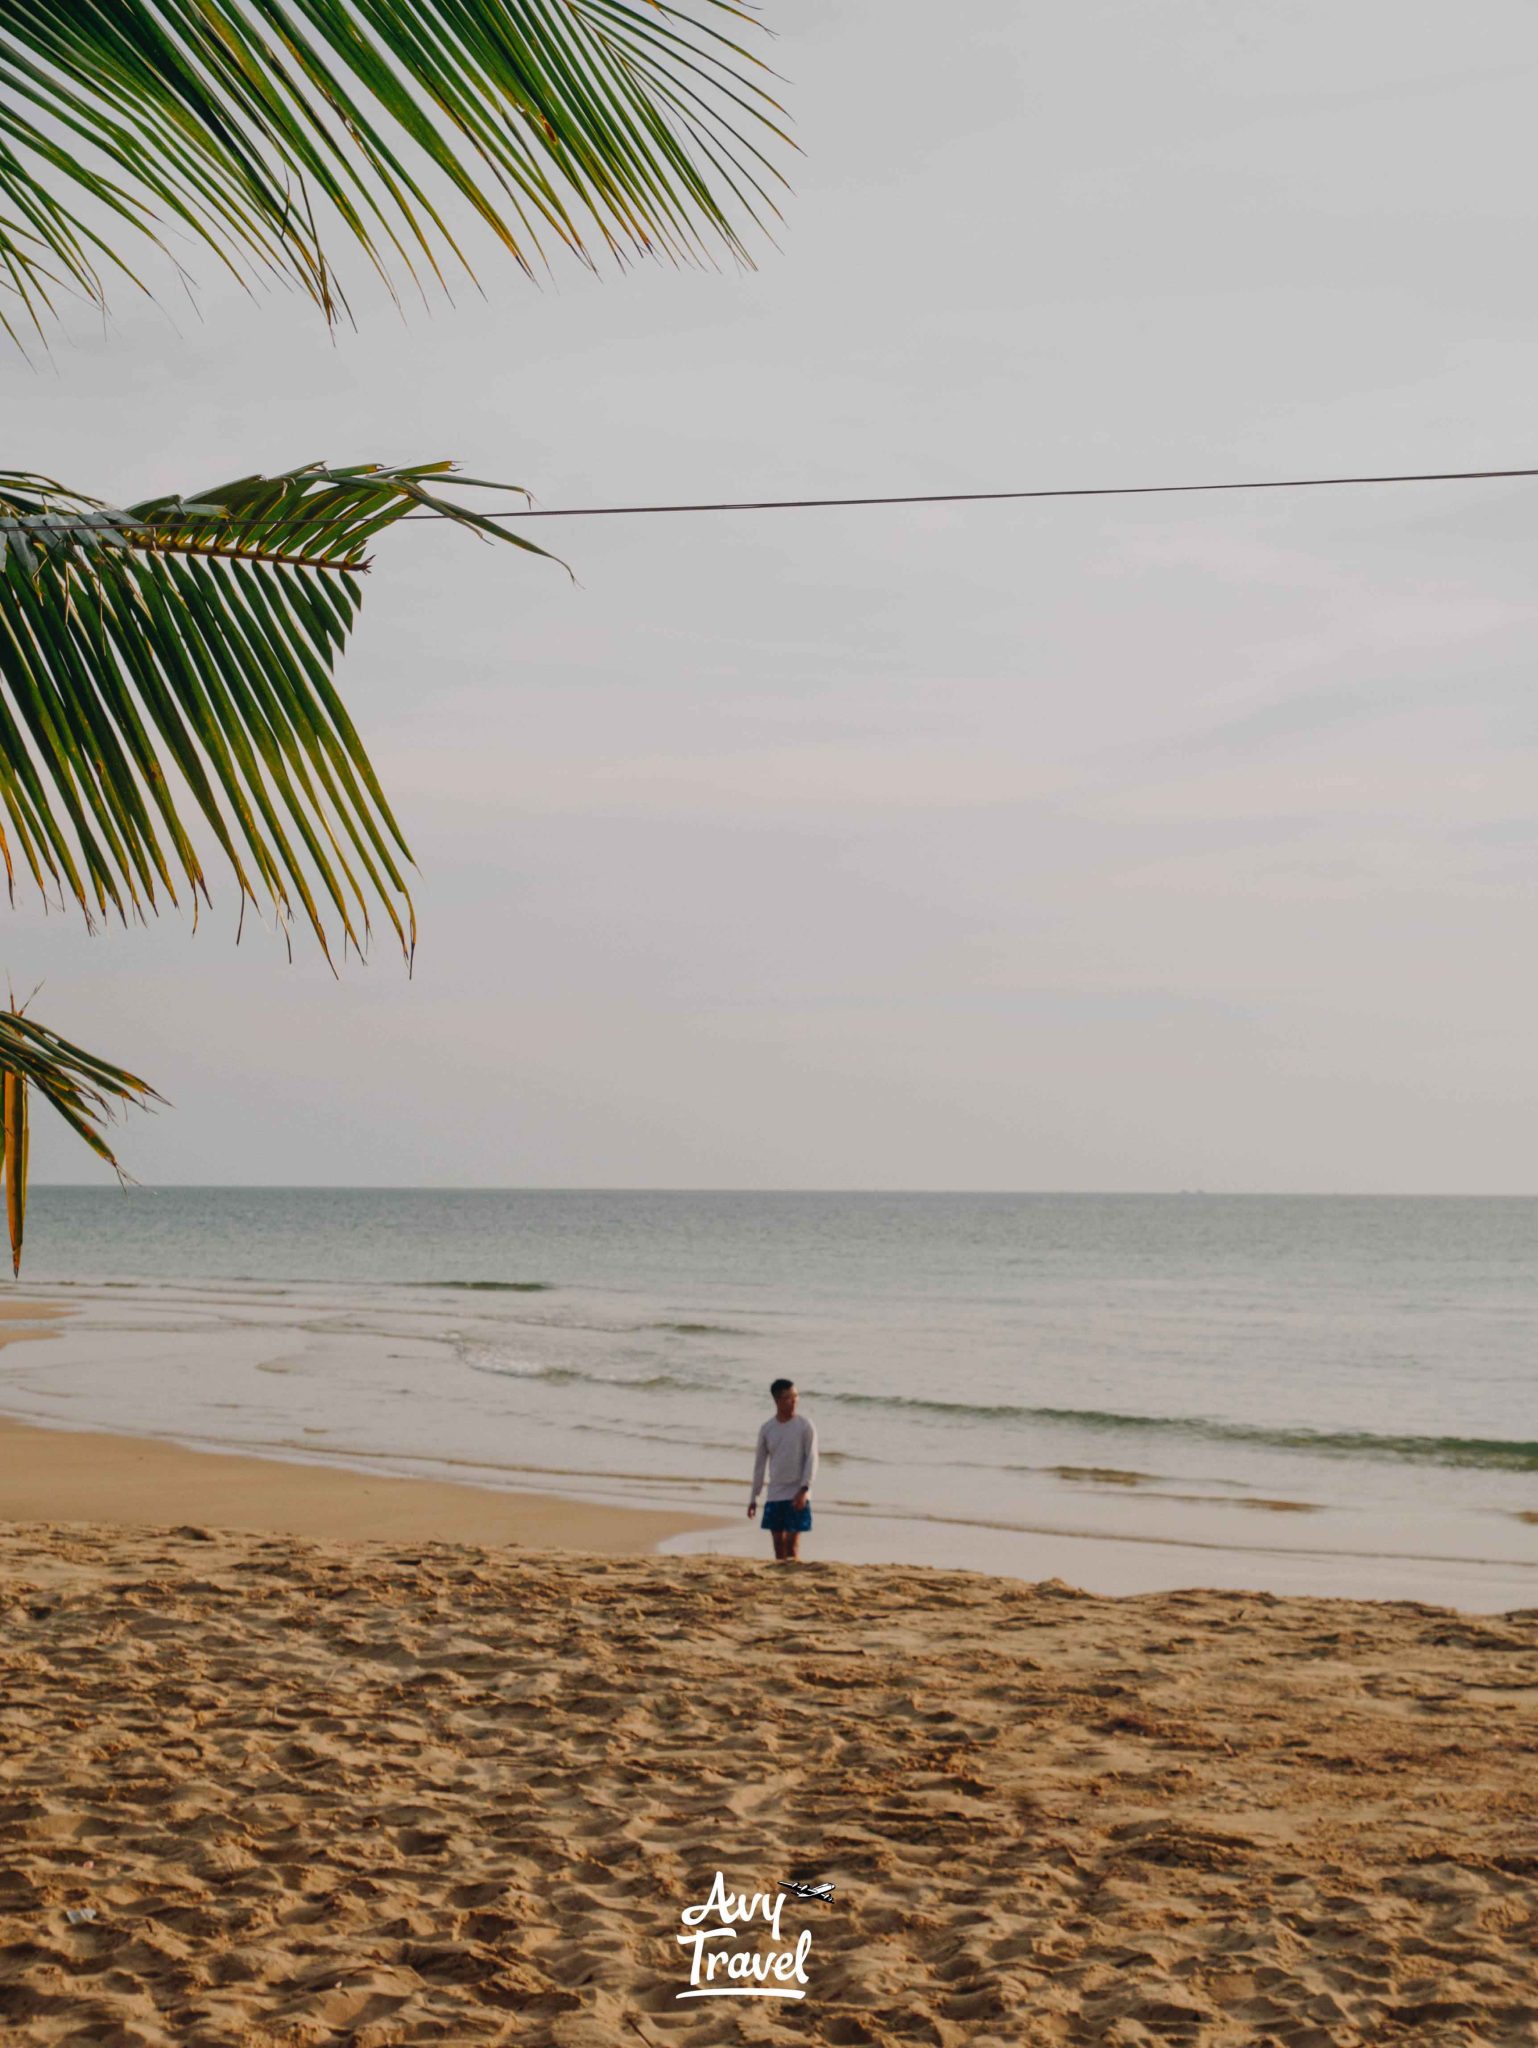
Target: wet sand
x,y
60,1475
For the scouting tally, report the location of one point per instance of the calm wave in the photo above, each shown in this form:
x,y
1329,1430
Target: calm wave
x,y
1069,1362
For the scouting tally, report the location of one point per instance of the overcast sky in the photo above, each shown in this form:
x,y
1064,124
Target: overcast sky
x,y
1160,844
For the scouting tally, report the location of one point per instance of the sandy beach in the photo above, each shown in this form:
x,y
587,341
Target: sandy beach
x,y
380,1794
298,1756
389,1793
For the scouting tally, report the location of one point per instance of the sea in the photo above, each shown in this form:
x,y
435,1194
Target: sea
x,y
1329,1395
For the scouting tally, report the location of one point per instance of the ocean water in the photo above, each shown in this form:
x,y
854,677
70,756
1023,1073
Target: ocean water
x,y
1294,1393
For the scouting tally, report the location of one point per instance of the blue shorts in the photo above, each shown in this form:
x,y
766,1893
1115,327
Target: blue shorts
x,y
784,1517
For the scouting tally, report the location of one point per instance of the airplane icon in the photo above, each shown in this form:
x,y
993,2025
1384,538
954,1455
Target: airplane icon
x,y
805,1889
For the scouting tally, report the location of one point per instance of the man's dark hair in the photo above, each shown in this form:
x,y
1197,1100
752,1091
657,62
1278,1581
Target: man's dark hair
x,y
778,1387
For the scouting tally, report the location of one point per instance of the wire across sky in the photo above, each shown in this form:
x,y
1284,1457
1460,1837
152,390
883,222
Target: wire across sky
x,y
1287,483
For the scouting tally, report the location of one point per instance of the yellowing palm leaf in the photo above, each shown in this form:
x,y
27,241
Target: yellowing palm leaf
x,y
84,1089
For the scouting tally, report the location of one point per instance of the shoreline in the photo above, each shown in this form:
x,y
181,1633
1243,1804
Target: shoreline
x,y
57,1473
100,1471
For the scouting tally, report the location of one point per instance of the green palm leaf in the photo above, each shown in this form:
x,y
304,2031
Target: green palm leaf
x,y
170,663
85,1089
267,129
166,668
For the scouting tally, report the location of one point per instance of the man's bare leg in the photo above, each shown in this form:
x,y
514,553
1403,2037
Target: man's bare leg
x,y
791,1554
781,1539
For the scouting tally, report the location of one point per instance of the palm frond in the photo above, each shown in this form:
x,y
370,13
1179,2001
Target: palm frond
x,y
85,1089
267,130
172,661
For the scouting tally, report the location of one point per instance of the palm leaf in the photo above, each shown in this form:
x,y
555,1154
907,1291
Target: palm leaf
x,y
171,662
85,1089
269,129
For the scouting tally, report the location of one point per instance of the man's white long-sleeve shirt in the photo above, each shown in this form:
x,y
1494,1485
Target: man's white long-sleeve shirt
x,y
788,1452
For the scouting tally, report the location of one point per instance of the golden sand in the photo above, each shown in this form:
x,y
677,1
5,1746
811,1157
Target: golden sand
x,y
430,1793
262,1782
59,1475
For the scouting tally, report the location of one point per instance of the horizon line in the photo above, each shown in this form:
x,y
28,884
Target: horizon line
x,y
645,1188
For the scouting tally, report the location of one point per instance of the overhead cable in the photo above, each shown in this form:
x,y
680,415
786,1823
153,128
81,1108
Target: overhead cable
x,y
1288,483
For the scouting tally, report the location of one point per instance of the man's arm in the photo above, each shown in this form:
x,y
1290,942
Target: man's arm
x,y
808,1463
760,1464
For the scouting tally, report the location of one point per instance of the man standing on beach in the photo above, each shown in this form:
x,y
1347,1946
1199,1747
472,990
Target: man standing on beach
x,y
787,1450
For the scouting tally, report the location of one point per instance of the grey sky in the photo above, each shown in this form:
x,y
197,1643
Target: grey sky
x,y
1136,845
